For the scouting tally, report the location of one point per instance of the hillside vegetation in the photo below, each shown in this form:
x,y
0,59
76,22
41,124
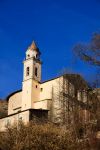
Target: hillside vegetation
x,y
3,108
42,137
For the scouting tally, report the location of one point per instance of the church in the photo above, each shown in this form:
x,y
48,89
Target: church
x,y
49,99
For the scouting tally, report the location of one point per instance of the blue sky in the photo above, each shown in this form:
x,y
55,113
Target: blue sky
x,y
56,26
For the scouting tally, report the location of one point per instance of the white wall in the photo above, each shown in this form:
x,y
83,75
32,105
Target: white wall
x,y
13,119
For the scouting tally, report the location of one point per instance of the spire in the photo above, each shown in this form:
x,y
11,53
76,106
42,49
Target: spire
x,y
33,46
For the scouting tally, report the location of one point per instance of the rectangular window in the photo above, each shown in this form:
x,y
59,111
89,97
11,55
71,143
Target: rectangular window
x,y
41,89
27,71
36,71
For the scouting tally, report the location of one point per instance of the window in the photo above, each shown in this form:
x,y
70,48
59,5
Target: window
x,y
36,71
28,55
27,71
41,89
36,86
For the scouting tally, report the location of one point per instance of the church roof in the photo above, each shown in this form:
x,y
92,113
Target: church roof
x,y
76,79
34,47
11,94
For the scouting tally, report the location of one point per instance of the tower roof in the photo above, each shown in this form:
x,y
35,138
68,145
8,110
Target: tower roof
x,y
34,47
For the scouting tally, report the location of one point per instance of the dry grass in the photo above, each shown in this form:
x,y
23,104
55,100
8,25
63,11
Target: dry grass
x,y
36,137
42,137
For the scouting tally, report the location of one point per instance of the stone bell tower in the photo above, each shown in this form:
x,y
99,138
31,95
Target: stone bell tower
x,y
31,77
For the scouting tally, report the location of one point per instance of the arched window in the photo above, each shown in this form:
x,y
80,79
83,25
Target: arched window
x,y
27,71
28,55
36,55
36,71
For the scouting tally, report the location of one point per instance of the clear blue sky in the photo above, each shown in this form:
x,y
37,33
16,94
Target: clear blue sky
x,y
56,26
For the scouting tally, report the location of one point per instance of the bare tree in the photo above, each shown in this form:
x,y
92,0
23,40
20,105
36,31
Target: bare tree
x,y
75,106
38,137
89,52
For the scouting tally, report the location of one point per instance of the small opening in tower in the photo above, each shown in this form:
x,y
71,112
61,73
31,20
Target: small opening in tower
x,y
28,55
36,86
27,71
36,71
41,89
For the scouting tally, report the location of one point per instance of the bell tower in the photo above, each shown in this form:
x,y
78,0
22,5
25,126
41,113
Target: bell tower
x,y
31,77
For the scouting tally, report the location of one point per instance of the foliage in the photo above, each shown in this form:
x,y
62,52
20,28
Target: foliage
x,y
41,137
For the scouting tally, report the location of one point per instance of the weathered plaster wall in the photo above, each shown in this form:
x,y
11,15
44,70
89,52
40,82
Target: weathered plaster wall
x,y
13,119
14,103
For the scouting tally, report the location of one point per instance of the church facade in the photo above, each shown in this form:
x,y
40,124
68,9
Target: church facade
x,y
49,99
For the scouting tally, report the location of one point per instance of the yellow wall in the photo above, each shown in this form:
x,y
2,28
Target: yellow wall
x,y
30,93
14,103
50,87
26,94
